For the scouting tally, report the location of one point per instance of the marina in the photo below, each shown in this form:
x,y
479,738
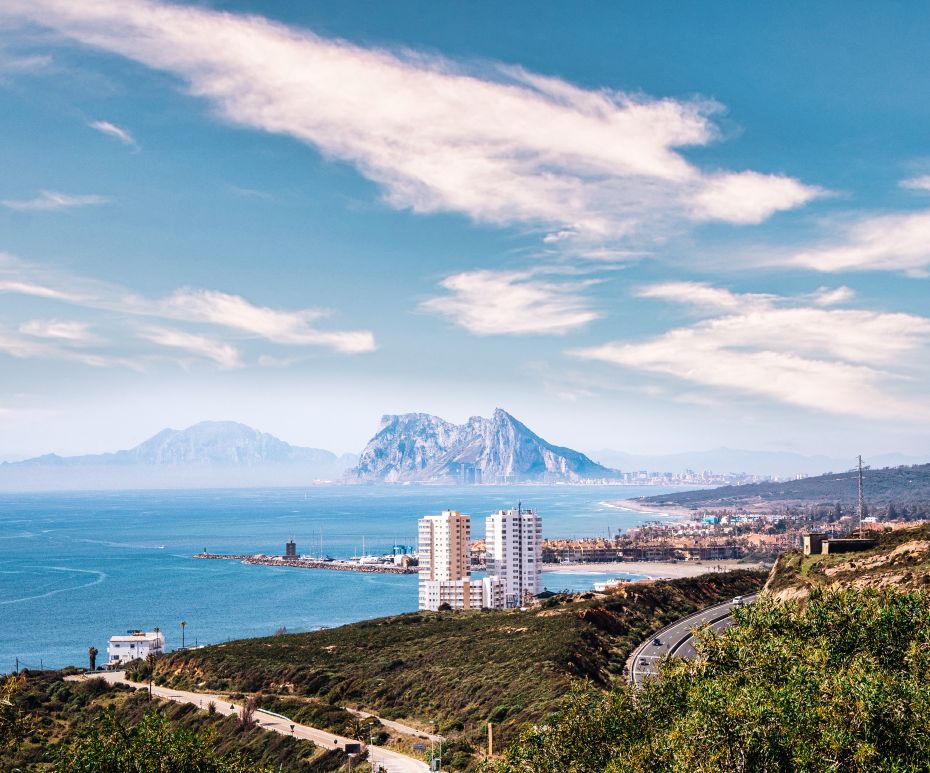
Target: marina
x,y
302,562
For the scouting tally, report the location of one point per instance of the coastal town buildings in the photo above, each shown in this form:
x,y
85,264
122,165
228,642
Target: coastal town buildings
x,y
134,645
513,548
444,543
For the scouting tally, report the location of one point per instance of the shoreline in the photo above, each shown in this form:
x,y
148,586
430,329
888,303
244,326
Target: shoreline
x,y
653,570
660,511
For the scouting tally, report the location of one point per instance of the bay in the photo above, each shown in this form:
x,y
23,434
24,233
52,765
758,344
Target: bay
x,y
76,568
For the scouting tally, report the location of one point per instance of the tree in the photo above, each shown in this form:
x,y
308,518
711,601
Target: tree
x,y
13,721
153,745
92,658
840,684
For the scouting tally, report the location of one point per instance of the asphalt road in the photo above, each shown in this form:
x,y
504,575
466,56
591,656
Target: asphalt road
x,y
390,761
677,639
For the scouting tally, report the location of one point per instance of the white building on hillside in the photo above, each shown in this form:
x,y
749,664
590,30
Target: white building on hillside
x,y
445,565
136,644
513,543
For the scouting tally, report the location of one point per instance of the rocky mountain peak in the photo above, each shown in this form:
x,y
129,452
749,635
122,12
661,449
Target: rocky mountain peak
x,y
426,448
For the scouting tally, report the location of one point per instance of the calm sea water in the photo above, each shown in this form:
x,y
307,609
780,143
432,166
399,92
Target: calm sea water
x,y
76,568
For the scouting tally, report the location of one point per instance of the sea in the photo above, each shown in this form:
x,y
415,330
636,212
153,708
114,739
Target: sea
x,y
77,568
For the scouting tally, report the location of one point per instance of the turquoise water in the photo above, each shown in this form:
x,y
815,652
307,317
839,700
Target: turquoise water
x,y
77,568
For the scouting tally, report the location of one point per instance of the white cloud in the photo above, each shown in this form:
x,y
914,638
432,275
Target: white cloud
x,y
112,130
284,327
502,145
512,303
750,197
65,330
833,296
919,183
32,288
832,360
48,201
897,242
221,353
701,295
124,309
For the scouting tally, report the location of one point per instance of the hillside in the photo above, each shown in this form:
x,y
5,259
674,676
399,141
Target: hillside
x,y
56,714
900,486
208,454
901,560
418,447
837,684
456,669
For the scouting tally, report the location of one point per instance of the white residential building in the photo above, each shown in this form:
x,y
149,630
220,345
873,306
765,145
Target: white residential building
x,y
136,644
445,574
513,544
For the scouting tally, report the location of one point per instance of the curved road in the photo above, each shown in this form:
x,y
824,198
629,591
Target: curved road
x,y
677,639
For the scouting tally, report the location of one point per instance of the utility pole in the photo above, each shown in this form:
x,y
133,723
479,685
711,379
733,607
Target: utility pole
x,y
861,502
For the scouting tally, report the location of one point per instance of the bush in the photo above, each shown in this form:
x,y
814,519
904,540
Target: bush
x,y
841,684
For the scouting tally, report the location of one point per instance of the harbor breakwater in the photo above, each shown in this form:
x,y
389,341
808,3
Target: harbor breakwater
x,y
309,563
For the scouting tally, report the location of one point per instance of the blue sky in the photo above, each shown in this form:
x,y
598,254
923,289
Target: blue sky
x,y
647,227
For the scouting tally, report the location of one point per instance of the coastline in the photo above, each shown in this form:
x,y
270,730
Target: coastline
x,y
652,570
660,511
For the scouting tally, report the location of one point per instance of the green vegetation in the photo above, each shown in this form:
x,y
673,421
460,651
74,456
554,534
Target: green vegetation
x,y
902,492
151,745
73,727
841,683
456,669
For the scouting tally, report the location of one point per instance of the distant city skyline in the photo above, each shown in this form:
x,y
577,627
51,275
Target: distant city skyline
x,y
652,228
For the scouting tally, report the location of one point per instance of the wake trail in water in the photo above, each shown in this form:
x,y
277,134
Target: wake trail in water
x,y
100,577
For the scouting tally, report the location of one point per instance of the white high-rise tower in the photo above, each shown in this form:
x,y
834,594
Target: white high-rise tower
x,y
513,542
445,565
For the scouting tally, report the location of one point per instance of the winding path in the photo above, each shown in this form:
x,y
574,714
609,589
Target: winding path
x,y
389,760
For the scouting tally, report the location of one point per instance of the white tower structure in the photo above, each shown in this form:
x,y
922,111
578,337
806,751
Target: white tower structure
x,y
513,541
445,560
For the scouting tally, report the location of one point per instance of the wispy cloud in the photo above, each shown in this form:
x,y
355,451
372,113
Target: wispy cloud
x,y
48,201
895,242
919,183
512,303
112,130
284,327
64,330
497,143
840,361
33,63
125,310
221,353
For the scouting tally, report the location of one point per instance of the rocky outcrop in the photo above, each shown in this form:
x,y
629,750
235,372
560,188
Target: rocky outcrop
x,y
418,447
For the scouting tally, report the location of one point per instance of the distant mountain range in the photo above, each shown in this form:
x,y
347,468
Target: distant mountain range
x,y
412,447
901,486
730,460
208,454
418,447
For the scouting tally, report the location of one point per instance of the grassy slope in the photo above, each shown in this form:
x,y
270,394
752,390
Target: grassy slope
x,y
898,485
57,709
457,669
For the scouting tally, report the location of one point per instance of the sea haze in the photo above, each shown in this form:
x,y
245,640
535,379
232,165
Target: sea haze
x,y
76,568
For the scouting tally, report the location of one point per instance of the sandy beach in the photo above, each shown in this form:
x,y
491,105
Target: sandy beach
x,y
653,569
660,511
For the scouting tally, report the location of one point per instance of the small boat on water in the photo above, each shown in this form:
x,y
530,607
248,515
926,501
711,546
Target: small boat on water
x,y
606,585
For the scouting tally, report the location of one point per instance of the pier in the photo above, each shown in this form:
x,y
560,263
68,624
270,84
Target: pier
x,y
311,563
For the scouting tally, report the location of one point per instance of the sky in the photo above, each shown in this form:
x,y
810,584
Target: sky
x,y
649,227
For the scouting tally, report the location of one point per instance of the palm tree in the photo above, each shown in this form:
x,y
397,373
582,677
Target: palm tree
x,y
183,626
92,657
